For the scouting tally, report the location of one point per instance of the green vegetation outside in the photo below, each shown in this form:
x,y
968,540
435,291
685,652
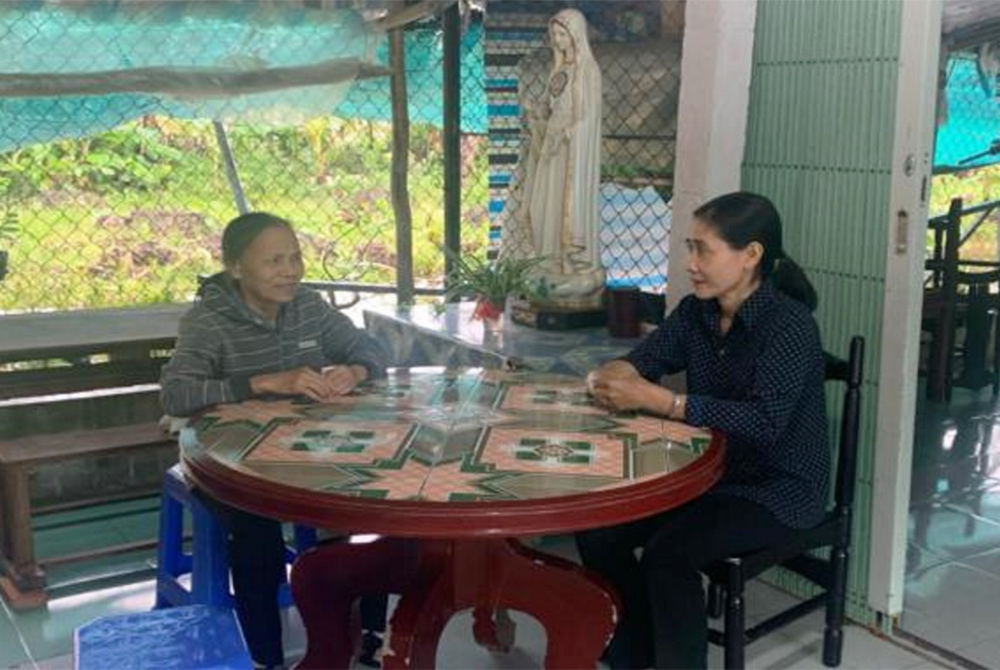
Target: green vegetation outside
x,y
134,215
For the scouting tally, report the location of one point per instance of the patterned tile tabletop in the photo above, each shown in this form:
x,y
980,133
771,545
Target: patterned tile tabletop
x,y
448,435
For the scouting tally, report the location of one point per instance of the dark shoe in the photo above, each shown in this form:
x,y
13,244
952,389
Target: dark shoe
x,y
371,650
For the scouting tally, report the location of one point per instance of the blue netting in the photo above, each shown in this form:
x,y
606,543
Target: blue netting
x,y
370,99
42,38
973,119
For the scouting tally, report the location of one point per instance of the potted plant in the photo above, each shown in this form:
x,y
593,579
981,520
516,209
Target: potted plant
x,y
488,282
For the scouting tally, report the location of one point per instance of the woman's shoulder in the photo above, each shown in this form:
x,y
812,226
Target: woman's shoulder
x,y
689,305
794,319
310,298
197,312
311,305
793,309
203,321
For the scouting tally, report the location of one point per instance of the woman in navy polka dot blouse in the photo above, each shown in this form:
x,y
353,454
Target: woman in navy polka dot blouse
x,y
751,350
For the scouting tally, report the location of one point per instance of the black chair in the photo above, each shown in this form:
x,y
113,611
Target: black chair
x,y
729,576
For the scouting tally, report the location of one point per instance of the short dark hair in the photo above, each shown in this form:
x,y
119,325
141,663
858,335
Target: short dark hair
x,y
243,230
741,218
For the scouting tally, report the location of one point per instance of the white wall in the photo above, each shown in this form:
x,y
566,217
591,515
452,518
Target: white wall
x,y
711,116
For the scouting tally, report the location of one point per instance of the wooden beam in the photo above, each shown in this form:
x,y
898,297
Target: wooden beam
x,y
410,13
211,82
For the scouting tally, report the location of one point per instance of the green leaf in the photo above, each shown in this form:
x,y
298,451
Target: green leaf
x,y
478,277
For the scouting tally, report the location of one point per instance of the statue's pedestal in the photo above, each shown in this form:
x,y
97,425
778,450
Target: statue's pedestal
x,y
556,318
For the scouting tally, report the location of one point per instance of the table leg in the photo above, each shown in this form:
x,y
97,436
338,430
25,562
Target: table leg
x,y
424,609
328,579
576,610
493,629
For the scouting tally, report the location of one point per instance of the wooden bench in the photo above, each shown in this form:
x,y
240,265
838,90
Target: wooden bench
x,y
78,401
24,580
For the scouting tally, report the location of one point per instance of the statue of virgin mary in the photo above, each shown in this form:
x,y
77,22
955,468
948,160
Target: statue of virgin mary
x,y
556,215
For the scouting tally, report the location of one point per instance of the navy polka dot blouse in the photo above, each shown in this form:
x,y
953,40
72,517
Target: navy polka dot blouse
x,y
761,384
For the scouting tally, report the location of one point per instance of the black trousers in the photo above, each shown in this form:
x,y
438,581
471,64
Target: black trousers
x,y
665,623
257,562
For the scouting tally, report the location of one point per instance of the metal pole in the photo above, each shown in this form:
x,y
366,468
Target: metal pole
x,y
452,139
230,163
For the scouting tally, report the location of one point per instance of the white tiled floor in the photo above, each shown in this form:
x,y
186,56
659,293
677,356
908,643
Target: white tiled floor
x,y
43,638
798,646
953,557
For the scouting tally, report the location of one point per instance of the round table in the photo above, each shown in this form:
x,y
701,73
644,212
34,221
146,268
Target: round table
x,y
464,462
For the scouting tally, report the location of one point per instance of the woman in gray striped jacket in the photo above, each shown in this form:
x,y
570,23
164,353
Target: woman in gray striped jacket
x,y
256,332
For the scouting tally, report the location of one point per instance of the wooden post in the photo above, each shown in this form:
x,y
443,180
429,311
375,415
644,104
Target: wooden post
x,y
400,169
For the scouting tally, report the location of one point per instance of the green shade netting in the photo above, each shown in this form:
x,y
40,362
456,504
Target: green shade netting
x,y
205,43
973,121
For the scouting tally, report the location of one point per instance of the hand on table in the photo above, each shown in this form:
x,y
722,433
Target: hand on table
x,y
333,381
342,379
618,387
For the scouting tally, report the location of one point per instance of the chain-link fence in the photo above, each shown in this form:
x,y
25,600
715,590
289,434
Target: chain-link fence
x,y
968,111
637,46
115,188
967,153
115,185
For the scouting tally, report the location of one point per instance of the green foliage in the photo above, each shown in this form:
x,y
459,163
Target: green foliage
x,y
477,277
9,226
132,158
9,223
974,187
134,215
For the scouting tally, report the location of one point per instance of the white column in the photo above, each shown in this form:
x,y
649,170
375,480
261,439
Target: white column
x,y
906,223
711,116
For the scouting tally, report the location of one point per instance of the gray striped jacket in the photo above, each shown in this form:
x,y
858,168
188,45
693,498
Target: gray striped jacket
x,y
222,344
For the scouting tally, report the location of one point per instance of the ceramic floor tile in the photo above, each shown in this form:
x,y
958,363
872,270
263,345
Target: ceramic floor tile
x,y
988,504
798,646
12,650
126,567
95,512
951,606
459,651
48,631
864,649
138,526
928,664
986,653
920,560
55,663
988,562
764,600
66,540
293,635
951,532
955,515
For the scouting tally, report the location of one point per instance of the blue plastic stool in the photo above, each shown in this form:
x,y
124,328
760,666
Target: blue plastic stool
x,y
196,637
208,564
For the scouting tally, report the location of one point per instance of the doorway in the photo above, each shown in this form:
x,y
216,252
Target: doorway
x,y
952,569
